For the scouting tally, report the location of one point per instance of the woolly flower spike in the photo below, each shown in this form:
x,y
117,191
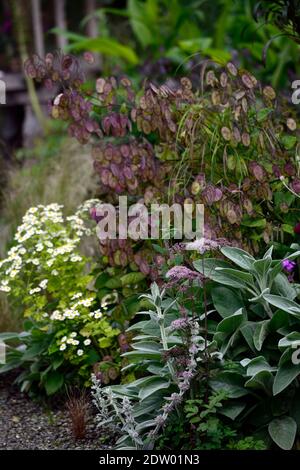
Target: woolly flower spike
x,y
178,273
288,265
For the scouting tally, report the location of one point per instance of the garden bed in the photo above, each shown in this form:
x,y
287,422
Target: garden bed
x,y
26,424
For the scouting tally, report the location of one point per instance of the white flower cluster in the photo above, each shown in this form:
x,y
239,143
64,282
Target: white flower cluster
x,y
96,314
41,239
73,310
71,340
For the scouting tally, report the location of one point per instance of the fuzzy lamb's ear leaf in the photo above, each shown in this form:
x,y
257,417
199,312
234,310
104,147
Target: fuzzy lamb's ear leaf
x,y
268,253
284,304
260,333
208,266
153,385
240,257
286,373
283,431
226,301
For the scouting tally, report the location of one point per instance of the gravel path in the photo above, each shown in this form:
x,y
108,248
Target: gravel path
x,y
25,424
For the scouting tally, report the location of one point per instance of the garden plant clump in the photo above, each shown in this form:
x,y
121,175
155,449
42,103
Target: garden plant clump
x,y
67,329
163,342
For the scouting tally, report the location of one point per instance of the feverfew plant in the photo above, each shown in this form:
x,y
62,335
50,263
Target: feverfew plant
x,y
46,273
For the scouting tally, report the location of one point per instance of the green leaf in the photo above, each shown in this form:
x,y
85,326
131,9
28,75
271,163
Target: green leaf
x,y
208,266
284,304
260,333
101,280
132,278
139,356
53,381
146,346
258,223
286,373
238,256
107,46
283,287
263,380
138,17
153,385
257,365
236,274
114,283
261,267
263,114
290,340
283,432
231,382
231,324
8,336
232,410
288,229
279,320
34,351
57,362
226,301
247,331
289,141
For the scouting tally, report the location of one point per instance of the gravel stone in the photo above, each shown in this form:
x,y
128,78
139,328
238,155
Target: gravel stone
x,y
26,424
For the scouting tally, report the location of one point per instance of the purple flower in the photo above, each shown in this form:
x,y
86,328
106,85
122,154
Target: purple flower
x,y
177,273
179,324
288,265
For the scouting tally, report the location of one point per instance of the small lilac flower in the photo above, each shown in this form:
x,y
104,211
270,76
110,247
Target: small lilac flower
x,y
178,273
179,324
288,265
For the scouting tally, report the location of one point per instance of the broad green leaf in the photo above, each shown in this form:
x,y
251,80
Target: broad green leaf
x,y
263,114
260,333
261,267
284,304
263,380
247,331
254,223
107,46
258,364
286,373
154,385
290,340
34,350
8,336
226,301
240,257
289,141
208,266
138,19
279,320
231,382
283,287
146,346
232,409
231,324
283,432
236,275
132,278
136,356
53,381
